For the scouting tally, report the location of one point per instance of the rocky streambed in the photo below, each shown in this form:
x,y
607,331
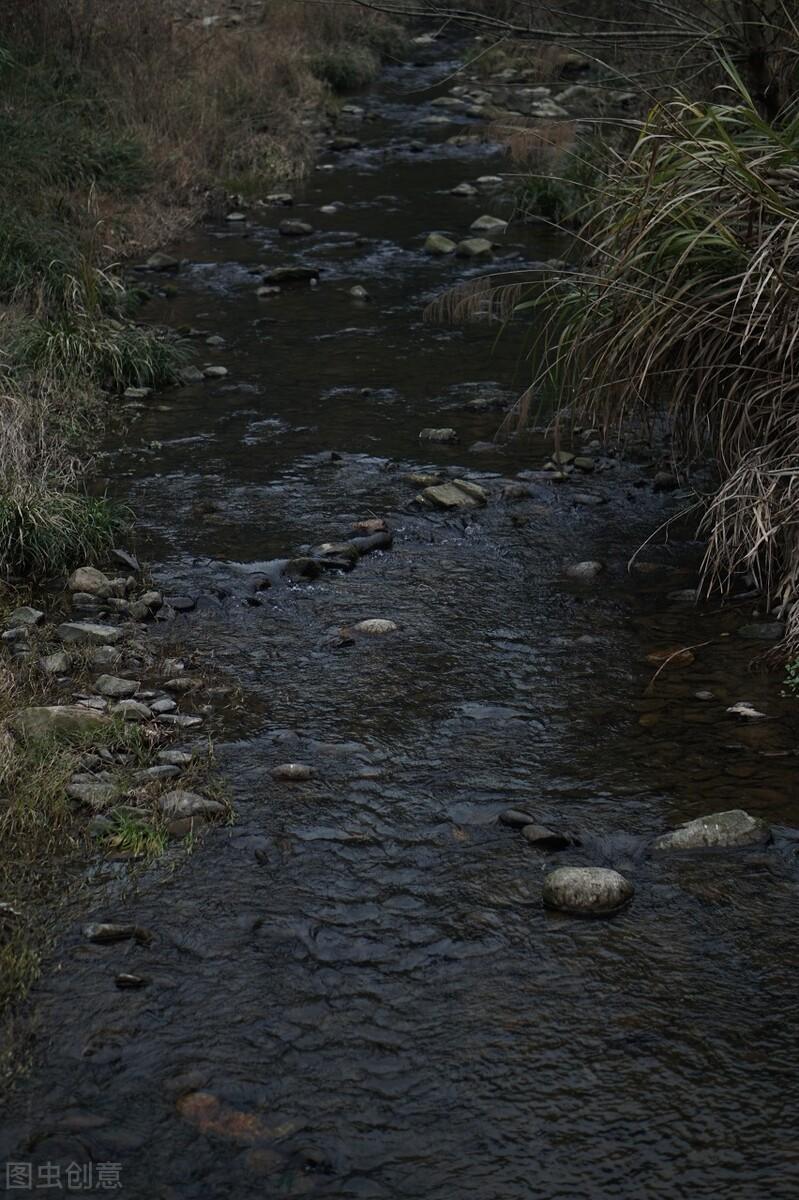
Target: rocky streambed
x,y
462,708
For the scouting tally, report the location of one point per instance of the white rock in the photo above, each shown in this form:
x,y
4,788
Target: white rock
x,y
376,626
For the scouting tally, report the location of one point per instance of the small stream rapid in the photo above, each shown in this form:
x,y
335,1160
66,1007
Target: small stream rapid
x,y
357,976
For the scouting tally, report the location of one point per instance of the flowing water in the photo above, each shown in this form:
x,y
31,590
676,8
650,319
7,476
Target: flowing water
x,y
358,971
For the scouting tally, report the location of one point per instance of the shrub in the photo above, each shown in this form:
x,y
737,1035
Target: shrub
x,y
47,532
689,309
346,68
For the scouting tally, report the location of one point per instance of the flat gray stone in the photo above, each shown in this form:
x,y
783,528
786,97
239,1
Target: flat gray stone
x,y
459,493
132,710
24,617
474,248
95,796
188,804
116,688
490,225
88,633
62,720
735,827
588,891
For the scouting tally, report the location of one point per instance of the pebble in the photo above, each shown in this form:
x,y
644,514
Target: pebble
x,y
438,435
295,229
215,372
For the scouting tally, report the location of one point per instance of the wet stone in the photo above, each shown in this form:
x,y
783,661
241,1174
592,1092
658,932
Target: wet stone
x,y
116,688
735,827
544,838
88,633
293,772
376,627
474,248
587,891
515,818
106,932
188,804
584,572
438,435
437,244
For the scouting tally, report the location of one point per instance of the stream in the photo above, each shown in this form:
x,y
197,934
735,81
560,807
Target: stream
x,y
355,991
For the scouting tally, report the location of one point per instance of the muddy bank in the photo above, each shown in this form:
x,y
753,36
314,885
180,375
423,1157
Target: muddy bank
x,y
355,990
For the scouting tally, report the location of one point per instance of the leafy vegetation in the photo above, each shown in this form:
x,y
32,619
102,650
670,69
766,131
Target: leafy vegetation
x,y
689,309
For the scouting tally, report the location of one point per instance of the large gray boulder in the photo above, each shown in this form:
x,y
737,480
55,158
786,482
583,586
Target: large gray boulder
x,y
90,581
718,830
590,891
63,720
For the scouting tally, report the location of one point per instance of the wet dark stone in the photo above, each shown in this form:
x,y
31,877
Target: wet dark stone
x,y
545,839
515,819
181,603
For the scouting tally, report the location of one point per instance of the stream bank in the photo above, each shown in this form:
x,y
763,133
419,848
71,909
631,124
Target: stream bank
x,y
354,990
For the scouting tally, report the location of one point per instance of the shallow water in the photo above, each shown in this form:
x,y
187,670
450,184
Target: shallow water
x,y
359,969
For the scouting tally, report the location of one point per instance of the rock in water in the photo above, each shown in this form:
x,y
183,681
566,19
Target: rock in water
x,y
295,772
722,829
438,435
188,804
545,839
474,248
295,229
490,225
584,572
460,493
591,891
291,275
439,245
515,819
375,627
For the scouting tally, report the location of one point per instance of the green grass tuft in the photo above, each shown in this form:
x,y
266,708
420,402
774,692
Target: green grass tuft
x,y
346,68
48,532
